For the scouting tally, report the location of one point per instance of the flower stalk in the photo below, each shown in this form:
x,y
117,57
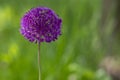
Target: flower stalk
x,y
39,65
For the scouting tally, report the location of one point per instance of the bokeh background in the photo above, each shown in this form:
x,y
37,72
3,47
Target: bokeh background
x,y
76,55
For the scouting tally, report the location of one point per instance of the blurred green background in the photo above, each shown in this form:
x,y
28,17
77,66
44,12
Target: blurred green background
x,y
74,56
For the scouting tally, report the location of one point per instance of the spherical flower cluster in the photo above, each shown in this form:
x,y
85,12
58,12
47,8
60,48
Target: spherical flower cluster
x,y
41,24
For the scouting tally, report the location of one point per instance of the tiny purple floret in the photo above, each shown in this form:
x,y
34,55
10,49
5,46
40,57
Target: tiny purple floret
x,y
41,24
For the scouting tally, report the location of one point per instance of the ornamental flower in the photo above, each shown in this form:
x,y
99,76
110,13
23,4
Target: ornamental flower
x,y
41,24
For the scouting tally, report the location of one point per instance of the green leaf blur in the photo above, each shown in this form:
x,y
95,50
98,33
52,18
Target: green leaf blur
x,y
74,56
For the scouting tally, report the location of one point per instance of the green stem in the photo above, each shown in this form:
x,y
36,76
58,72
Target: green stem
x,y
39,61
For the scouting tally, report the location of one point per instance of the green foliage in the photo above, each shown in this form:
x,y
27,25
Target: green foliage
x,y
74,56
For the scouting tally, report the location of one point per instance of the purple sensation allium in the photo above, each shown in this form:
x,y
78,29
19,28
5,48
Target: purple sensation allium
x,y
41,24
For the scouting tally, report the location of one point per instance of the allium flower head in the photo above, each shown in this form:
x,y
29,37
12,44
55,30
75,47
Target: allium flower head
x,y
41,24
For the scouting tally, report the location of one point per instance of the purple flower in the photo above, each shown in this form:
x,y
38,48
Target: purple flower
x,y
41,24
